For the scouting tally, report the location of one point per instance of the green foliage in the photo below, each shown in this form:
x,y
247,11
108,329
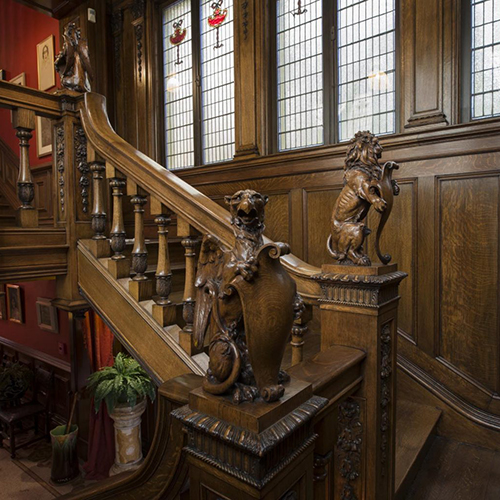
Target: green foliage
x,y
123,383
14,381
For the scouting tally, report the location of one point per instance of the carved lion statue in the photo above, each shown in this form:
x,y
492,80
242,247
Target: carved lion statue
x,y
366,184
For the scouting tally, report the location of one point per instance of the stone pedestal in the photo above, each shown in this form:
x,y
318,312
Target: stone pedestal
x,y
359,308
127,424
253,450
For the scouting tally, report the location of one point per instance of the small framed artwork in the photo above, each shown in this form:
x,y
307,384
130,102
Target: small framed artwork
x,y
45,63
14,304
47,315
2,74
43,136
19,79
3,313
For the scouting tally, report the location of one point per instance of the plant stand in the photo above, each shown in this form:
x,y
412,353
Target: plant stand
x,y
127,423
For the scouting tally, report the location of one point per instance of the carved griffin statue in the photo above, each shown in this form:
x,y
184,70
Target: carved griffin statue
x,y
366,184
73,62
244,306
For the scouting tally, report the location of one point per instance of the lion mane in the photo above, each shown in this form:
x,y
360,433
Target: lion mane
x,y
363,154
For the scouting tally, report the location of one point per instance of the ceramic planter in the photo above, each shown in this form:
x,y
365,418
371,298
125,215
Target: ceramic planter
x,y
64,454
128,444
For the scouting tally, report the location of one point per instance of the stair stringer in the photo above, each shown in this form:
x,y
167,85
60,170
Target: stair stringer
x,y
153,346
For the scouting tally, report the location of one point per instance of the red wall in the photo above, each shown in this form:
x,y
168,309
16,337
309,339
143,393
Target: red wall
x,y
28,333
21,28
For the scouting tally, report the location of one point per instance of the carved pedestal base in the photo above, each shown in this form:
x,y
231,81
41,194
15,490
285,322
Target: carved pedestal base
x,y
141,290
99,248
359,308
165,315
27,217
252,450
119,268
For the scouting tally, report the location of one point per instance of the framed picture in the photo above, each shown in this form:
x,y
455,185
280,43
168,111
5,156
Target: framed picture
x,y
43,136
14,304
47,315
3,313
19,79
45,63
2,74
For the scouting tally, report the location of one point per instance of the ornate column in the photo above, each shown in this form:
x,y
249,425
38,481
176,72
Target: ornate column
x,y
23,120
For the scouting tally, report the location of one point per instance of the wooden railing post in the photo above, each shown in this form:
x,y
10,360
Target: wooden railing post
x,y
141,287
163,309
299,329
23,120
189,243
119,266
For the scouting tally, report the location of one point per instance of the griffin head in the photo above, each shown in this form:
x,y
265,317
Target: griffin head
x,y
247,210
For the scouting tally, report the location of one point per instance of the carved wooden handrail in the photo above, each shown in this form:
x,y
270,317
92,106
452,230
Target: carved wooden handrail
x,y
187,202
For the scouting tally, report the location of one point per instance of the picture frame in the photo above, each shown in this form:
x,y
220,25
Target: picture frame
x,y
45,63
43,136
19,79
47,315
3,311
15,310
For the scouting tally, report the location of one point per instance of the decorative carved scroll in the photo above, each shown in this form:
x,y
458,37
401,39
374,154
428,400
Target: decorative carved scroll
x,y
349,443
366,184
60,163
82,166
73,62
245,304
385,390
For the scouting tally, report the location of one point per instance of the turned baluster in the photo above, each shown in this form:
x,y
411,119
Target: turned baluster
x,y
23,121
163,309
299,329
139,252
98,214
118,228
189,245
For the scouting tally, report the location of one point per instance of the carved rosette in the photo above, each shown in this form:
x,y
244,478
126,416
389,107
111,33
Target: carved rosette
x,y
82,166
349,444
385,391
60,163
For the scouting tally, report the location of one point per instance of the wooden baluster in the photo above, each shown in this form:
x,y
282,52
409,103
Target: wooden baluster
x,y
99,244
23,121
163,309
118,266
303,315
140,287
189,243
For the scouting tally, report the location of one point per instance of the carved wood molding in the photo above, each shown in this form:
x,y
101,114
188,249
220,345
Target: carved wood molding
x,y
117,32
80,144
60,149
386,370
138,9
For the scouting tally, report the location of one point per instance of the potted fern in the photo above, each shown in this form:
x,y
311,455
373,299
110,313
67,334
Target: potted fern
x,y
124,388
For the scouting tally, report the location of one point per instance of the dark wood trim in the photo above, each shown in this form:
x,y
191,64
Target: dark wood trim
x,y
465,61
40,356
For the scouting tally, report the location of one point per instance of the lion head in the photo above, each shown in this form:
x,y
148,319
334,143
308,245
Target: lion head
x,y
247,210
364,152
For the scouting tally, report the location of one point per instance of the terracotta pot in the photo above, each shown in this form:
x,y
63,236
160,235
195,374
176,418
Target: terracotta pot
x,y
128,444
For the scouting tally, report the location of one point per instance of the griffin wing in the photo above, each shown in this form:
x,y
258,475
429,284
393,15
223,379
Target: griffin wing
x,y
83,50
208,278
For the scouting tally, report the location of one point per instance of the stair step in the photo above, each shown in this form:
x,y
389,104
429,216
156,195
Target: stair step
x,y
415,425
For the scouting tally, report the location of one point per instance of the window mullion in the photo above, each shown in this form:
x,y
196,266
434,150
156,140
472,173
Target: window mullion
x,y
329,72
196,14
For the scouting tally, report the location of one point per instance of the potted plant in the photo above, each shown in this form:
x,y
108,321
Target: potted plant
x,y
124,387
15,380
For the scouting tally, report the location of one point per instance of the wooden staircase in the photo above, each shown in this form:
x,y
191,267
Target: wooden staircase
x,y
7,213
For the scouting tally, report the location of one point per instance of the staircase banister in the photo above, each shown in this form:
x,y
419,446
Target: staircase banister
x,y
186,201
42,103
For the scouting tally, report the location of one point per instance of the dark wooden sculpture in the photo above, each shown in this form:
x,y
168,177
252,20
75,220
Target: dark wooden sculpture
x,y
366,184
73,62
245,304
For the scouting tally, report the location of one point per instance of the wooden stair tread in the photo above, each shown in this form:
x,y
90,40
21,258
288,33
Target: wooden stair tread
x,y
415,424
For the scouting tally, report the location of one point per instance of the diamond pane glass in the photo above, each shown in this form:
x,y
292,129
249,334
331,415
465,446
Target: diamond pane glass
x,y
217,82
366,67
178,86
485,90
300,74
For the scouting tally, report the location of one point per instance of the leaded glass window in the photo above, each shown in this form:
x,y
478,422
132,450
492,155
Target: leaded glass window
x,y
366,67
198,61
485,84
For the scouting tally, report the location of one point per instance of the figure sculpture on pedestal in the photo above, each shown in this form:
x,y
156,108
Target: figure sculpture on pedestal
x,y
366,184
245,305
73,62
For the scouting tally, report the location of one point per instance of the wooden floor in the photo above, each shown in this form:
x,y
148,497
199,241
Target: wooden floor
x,y
457,471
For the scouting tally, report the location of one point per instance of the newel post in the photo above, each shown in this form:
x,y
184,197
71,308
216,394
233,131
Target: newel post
x,y
23,120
